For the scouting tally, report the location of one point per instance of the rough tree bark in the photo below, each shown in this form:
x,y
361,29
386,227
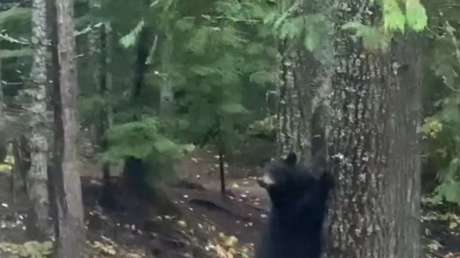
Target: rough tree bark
x,y
374,144
304,85
2,105
303,88
293,107
37,175
70,232
2,101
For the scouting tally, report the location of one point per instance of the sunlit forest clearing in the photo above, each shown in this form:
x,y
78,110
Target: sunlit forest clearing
x,y
229,128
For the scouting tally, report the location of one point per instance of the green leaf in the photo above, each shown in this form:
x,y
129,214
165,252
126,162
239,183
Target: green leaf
x,y
373,38
270,18
316,29
280,20
185,24
5,53
417,18
164,145
231,37
450,191
312,40
134,139
130,39
255,48
262,77
233,108
394,19
189,148
203,70
292,28
199,41
15,13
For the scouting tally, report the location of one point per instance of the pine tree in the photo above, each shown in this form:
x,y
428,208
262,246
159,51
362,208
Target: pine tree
x,y
37,176
70,228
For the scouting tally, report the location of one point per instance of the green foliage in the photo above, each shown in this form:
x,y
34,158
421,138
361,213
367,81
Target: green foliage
x,y
310,30
442,125
141,139
14,15
373,38
416,15
135,139
317,28
232,108
27,250
91,108
265,128
130,39
449,190
4,53
394,19
444,138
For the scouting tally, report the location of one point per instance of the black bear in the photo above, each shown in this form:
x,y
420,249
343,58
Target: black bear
x,y
299,205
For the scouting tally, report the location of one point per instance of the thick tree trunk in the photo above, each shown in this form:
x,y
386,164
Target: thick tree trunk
x,y
69,207
37,175
294,108
304,86
374,146
404,159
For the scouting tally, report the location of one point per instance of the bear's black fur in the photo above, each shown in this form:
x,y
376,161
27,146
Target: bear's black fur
x,y
299,206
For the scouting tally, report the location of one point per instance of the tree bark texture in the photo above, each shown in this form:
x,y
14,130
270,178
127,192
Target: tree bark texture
x,y
304,86
2,98
69,207
37,175
3,143
374,144
294,107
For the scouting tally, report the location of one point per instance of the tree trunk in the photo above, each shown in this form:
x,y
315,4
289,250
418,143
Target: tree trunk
x,y
37,176
106,115
293,107
166,90
2,99
374,145
134,168
304,86
70,232
3,143
94,63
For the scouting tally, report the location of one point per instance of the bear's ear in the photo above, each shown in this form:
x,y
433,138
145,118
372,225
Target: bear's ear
x,y
291,159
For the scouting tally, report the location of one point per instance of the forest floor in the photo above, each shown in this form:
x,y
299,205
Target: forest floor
x,y
190,218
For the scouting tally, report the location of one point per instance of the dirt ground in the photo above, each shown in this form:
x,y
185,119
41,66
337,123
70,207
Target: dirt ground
x,y
190,218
